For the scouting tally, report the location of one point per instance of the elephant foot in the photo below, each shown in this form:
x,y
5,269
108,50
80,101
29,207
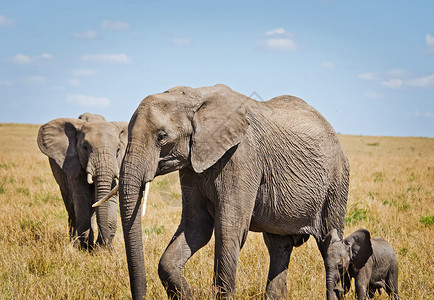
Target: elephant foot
x,y
85,245
85,241
221,294
176,286
104,243
276,289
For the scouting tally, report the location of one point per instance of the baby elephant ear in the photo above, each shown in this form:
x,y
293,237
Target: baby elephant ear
x,y
57,139
331,237
360,247
219,124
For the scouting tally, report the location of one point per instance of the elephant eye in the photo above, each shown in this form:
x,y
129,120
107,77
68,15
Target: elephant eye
x,y
161,136
118,151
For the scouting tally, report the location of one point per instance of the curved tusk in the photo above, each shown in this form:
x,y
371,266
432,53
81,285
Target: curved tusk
x,y
108,196
89,178
145,197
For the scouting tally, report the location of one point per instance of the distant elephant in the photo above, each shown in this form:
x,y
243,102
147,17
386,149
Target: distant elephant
x,y
372,262
274,167
91,117
85,158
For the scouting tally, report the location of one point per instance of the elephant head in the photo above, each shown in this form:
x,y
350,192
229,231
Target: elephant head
x,y
177,129
342,257
89,153
89,117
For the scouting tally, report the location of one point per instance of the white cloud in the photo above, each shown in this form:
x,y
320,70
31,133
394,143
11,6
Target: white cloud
x,y
397,73
88,35
276,32
87,101
392,83
115,25
281,44
426,81
328,65
5,83
74,82
22,59
83,72
428,114
279,40
398,78
425,114
37,80
107,58
429,39
369,76
181,42
6,22
45,56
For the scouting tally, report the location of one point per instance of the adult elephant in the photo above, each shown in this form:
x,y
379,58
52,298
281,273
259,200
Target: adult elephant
x,y
85,155
274,167
89,117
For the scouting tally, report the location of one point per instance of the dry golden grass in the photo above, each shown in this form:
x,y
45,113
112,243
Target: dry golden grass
x,y
391,194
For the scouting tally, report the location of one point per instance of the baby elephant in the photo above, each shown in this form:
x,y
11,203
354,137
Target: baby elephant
x,y
371,262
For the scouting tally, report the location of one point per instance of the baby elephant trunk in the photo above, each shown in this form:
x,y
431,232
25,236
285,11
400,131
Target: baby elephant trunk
x,y
335,290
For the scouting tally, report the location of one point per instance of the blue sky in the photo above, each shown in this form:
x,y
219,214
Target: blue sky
x,y
367,66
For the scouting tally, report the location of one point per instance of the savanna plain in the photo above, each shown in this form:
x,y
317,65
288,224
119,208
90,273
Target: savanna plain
x,y
391,194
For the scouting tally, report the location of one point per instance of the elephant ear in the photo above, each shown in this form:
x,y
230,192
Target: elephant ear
x,y
218,124
360,247
123,135
331,237
57,139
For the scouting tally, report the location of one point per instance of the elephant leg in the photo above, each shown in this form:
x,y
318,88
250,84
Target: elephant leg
x,y
72,227
279,248
231,229
83,226
194,232
71,214
361,285
61,180
81,200
392,284
346,282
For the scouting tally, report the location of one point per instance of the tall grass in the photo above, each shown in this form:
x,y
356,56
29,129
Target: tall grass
x,y
391,195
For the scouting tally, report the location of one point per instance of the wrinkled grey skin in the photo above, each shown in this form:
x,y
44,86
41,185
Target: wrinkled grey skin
x,y
372,262
274,167
76,148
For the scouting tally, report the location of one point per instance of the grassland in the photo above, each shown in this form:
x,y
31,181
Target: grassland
x,y
391,194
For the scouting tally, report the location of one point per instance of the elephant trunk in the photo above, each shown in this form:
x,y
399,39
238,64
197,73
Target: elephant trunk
x,y
103,171
330,284
131,185
105,213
